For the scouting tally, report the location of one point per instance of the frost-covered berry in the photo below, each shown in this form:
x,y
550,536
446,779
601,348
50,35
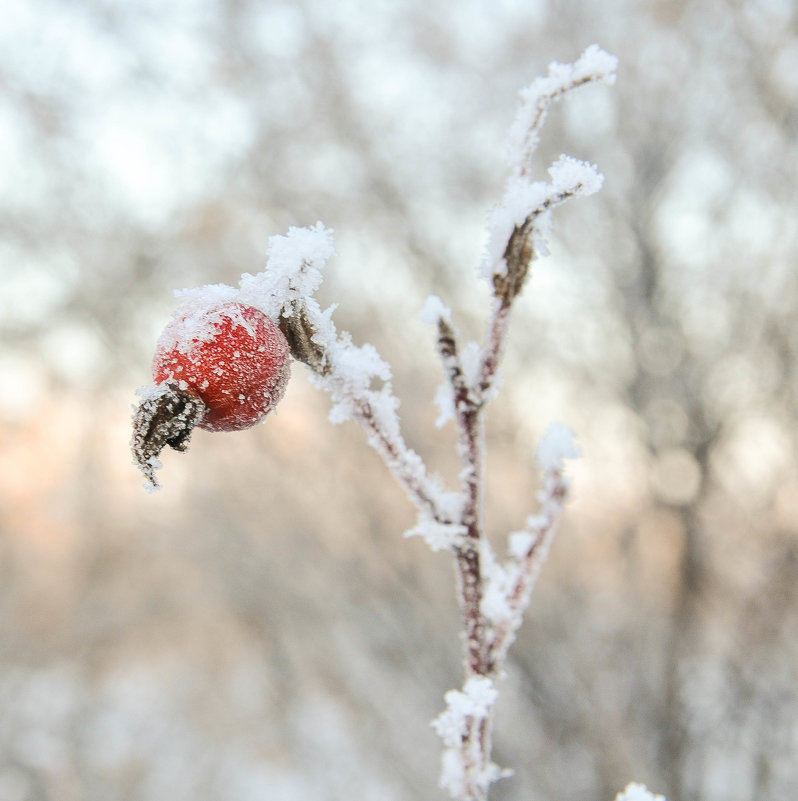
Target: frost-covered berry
x,y
233,356
220,365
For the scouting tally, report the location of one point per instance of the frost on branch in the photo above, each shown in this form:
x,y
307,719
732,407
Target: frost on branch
x,y
356,377
558,443
464,368
493,594
593,66
439,536
467,773
519,225
294,271
638,792
509,586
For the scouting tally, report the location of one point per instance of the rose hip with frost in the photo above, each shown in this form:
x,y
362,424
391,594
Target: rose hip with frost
x,y
234,357
221,366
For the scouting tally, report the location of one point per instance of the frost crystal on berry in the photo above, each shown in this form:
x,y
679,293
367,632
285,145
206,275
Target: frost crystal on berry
x,y
232,354
220,364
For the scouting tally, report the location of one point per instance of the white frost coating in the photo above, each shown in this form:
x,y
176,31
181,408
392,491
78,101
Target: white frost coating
x,y
568,172
558,443
598,62
199,316
499,582
293,270
148,392
293,273
471,360
593,66
435,309
439,536
638,792
520,542
353,370
464,710
523,200
476,699
444,400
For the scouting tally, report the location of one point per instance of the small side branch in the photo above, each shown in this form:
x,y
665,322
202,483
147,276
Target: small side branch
x,y
464,727
529,549
593,66
406,465
468,403
522,247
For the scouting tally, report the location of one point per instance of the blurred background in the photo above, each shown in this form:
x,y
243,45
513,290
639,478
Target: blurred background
x,y
259,629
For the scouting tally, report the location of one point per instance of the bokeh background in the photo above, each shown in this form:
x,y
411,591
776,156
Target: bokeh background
x,y
260,629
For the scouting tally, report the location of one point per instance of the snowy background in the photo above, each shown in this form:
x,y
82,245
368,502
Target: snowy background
x,y
259,629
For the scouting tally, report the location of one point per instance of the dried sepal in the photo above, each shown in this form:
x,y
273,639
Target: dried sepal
x,y
299,330
166,415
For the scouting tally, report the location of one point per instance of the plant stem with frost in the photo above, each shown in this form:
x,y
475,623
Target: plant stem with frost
x,y
493,595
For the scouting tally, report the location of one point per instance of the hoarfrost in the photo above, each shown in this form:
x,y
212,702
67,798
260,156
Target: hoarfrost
x,y
499,581
464,710
476,700
472,360
638,792
435,309
524,201
568,172
558,443
199,316
148,392
439,536
520,542
593,66
444,400
294,264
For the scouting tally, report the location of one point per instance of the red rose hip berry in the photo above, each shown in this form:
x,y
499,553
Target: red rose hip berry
x,y
219,365
233,356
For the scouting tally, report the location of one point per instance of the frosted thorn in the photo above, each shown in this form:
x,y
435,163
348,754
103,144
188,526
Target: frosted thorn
x,y
166,415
